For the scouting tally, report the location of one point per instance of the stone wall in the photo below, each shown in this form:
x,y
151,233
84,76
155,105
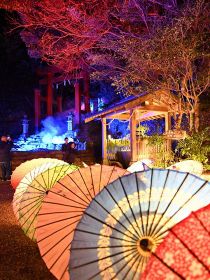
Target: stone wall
x,y
82,156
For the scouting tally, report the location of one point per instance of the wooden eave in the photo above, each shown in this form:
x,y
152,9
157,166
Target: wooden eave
x,y
122,111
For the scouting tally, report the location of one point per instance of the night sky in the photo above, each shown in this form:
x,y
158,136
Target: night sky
x,y
17,79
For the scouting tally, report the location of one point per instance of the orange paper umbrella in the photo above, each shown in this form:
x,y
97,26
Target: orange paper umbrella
x,y
28,179
129,217
32,198
62,209
185,252
26,167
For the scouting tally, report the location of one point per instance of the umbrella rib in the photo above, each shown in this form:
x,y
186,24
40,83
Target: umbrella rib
x,y
42,189
54,232
170,202
112,237
85,184
39,184
87,202
143,263
110,175
181,207
33,219
25,206
96,260
191,252
116,262
141,260
135,256
169,267
134,260
134,217
103,222
66,268
103,247
62,212
112,255
114,217
61,220
156,211
62,195
139,199
150,192
122,212
90,169
100,178
201,223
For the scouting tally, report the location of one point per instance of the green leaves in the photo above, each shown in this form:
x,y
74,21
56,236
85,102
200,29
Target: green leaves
x,y
196,146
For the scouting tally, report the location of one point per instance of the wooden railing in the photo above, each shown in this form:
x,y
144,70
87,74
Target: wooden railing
x,y
144,151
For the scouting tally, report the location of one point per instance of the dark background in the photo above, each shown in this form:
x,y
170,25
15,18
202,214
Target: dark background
x,y
17,79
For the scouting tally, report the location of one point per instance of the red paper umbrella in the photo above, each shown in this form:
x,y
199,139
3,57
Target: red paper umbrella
x,y
185,252
19,173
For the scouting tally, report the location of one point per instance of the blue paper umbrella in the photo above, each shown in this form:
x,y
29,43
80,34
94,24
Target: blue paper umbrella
x,y
129,218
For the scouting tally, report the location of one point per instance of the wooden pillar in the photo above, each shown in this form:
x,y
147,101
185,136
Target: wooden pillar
x,y
49,95
59,104
87,92
167,122
104,141
133,136
167,128
77,102
37,108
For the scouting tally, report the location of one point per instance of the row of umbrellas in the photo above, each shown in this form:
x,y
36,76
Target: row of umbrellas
x,y
104,222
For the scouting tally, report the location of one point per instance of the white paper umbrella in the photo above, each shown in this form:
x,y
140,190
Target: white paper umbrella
x,y
62,209
25,167
28,179
32,198
129,218
140,165
191,166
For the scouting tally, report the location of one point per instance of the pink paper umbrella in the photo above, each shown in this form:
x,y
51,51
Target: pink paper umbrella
x,y
62,209
185,252
25,167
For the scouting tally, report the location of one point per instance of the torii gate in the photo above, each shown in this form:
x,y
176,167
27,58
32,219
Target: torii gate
x,y
48,79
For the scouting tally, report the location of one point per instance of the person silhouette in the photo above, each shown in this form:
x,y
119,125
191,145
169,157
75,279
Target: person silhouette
x,y
5,157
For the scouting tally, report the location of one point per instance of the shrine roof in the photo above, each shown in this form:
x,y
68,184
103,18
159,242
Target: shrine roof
x,y
157,104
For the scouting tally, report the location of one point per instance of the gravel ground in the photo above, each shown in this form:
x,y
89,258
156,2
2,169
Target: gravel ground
x,y
19,256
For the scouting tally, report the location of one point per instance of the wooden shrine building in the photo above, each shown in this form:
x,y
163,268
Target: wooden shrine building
x,y
136,110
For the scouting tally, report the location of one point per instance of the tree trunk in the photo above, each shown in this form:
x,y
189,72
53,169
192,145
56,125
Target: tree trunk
x,y
191,121
197,116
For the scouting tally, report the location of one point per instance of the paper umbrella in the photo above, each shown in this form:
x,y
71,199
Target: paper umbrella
x,y
129,218
62,209
185,252
32,198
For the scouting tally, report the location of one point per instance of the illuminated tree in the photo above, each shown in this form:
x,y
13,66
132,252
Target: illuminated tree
x,y
174,58
70,33
141,45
